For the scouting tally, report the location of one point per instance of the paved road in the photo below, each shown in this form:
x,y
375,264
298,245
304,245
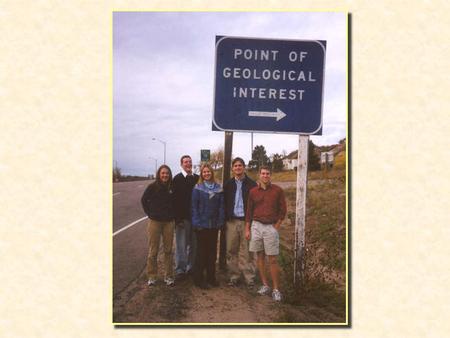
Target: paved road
x,y
129,246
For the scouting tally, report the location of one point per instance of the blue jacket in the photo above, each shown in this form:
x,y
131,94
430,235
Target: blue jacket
x,y
208,210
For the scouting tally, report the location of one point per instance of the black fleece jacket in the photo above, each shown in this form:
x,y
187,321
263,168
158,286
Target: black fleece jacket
x,y
158,202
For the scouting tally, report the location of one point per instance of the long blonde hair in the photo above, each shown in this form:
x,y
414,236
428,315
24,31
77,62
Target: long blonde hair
x,y
206,165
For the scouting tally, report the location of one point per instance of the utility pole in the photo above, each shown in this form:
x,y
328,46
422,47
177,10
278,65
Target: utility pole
x,y
164,143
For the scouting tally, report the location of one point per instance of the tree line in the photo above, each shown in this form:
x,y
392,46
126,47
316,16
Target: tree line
x,y
260,157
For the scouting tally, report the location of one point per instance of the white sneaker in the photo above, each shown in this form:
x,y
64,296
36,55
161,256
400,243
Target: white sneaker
x,y
264,290
232,282
151,282
169,281
276,295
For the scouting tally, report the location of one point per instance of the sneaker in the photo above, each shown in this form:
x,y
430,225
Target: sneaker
x,y
232,282
169,281
276,295
151,282
264,290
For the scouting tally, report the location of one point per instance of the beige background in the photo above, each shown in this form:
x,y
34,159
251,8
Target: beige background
x,y
56,155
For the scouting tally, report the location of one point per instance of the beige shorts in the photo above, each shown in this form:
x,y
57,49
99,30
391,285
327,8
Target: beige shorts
x,y
264,237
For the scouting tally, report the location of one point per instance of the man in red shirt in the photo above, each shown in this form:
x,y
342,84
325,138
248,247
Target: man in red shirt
x,y
266,209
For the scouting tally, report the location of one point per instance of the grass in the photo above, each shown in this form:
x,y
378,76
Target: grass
x,y
326,221
324,279
285,176
339,161
311,292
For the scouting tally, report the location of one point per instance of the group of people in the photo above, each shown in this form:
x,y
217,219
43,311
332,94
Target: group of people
x,y
195,207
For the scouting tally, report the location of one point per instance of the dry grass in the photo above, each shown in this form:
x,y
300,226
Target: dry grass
x,y
339,160
286,176
325,237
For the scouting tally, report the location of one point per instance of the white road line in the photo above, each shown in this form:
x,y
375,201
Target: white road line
x,y
129,225
117,193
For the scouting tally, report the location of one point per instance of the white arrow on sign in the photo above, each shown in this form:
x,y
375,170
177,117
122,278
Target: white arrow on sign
x,y
278,114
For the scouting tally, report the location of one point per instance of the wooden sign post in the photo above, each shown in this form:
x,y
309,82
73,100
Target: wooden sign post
x,y
225,177
300,216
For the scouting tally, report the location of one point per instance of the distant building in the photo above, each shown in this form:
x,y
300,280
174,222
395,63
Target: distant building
x,y
324,152
329,153
327,157
290,161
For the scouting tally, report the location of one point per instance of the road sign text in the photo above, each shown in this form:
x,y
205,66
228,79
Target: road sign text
x,y
263,75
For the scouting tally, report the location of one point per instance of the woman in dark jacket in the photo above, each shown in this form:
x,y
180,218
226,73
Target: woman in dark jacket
x,y
207,219
158,205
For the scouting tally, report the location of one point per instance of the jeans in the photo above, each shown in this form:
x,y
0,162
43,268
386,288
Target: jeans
x,y
185,248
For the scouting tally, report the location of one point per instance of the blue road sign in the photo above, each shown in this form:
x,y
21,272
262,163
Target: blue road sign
x,y
264,85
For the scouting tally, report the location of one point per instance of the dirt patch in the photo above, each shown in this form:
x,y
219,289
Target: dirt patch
x,y
185,303
139,303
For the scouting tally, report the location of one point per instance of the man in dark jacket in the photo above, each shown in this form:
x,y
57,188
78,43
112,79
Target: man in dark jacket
x,y
182,186
240,260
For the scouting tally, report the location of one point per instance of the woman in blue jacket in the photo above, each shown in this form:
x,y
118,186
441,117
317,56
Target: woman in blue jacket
x,y
207,219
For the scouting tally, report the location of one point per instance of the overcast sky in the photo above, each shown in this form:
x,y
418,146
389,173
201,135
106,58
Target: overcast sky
x,y
164,81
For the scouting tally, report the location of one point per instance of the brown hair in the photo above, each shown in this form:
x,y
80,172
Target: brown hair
x,y
183,157
159,184
265,167
206,165
238,159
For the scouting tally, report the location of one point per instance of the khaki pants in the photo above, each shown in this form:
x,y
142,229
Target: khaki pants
x,y
240,260
155,230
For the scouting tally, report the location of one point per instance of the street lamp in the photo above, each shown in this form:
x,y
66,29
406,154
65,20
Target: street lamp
x,y
156,164
155,139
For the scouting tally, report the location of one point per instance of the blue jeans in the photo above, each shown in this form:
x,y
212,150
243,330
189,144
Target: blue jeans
x,y
185,247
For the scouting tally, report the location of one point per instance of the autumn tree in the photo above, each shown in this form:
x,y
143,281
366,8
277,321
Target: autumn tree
x,y
217,158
